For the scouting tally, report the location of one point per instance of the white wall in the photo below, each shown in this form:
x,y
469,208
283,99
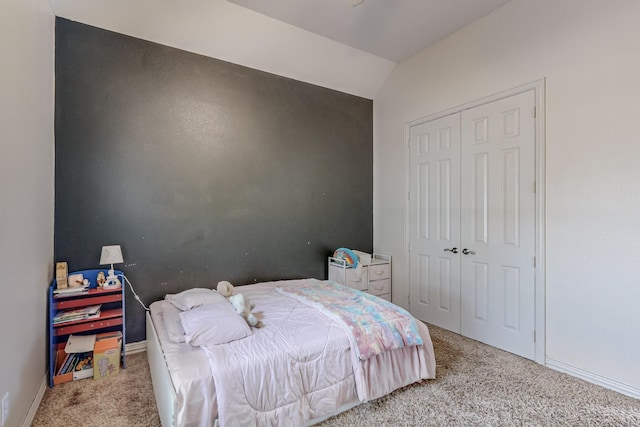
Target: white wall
x,y
588,52
232,33
26,197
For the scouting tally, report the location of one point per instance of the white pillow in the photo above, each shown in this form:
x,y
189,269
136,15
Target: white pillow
x,y
173,323
213,324
195,297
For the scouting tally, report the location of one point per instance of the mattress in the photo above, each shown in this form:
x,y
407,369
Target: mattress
x,y
190,374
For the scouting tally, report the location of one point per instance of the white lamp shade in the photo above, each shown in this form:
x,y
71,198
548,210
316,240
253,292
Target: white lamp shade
x,y
111,255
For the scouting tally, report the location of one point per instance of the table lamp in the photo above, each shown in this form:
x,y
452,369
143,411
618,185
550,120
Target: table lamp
x,y
111,255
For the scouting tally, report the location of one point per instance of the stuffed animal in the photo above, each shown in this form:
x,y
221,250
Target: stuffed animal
x,y
225,289
243,308
100,279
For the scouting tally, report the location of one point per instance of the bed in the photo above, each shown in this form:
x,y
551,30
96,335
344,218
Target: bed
x,y
299,368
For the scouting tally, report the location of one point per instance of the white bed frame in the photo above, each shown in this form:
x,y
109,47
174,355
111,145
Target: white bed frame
x,y
163,388
165,392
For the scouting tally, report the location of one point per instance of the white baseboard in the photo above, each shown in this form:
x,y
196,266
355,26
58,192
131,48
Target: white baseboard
x,y
135,347
28,419
594,378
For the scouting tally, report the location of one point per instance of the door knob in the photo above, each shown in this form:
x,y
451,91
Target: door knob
x,y
453,250
468,252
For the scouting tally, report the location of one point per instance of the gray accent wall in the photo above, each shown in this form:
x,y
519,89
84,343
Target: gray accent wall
x,y
200,169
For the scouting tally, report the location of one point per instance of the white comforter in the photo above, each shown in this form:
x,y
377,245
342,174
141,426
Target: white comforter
x,y
298,366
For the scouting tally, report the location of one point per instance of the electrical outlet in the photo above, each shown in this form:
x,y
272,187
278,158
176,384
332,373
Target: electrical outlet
x,y
5,408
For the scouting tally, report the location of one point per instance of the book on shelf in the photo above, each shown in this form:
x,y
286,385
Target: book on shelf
x,y
72,365
74,362
80,343
89,312
72,290
85,361
84,367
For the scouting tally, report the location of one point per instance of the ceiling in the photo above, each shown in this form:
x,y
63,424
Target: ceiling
x,y
328,43
390,29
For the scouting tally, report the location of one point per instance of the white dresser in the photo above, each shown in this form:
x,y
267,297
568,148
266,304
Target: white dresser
x,y
374,278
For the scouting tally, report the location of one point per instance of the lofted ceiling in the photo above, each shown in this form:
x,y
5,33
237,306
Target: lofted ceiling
x,y
329,43
390,29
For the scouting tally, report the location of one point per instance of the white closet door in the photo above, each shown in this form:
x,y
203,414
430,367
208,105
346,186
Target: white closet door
x,y
434,217
498,220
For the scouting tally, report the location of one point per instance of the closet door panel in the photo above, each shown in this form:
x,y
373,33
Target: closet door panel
x,y
497,223
434,221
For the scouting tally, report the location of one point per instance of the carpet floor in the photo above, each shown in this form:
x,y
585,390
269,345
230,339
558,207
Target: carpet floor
x,y
476,385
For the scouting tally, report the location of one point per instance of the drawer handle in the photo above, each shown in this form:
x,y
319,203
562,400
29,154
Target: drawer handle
x,y
356,280
379,271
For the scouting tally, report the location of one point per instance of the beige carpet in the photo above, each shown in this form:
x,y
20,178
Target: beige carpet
x,y
124,400
477,385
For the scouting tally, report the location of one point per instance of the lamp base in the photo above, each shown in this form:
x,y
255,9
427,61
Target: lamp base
x,y
111,283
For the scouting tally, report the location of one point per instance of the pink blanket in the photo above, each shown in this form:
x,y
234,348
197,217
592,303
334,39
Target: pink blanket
x,y
373,325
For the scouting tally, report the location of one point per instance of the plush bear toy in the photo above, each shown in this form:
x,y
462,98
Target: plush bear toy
x,y
243,308
239,302
225,289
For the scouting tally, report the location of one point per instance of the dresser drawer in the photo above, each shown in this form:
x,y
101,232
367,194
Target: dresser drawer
x,y
357,281
349,277
379,271
380,287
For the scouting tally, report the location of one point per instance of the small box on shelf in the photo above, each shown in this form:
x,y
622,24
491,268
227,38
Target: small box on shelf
x,y
61,275
59,378
106,357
